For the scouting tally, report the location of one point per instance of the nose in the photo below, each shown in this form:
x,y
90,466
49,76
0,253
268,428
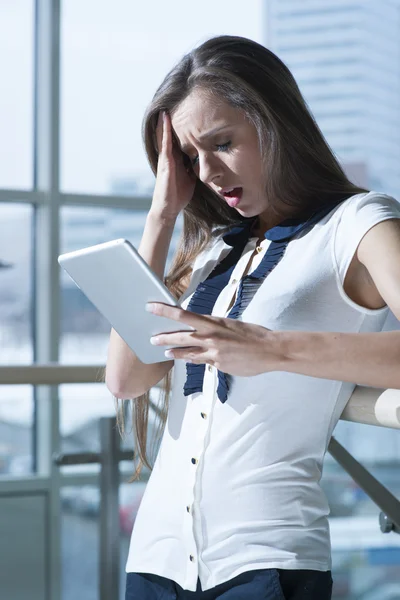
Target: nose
x,y
210,168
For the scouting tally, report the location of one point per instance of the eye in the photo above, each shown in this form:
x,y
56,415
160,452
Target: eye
x,y
224,147
220,148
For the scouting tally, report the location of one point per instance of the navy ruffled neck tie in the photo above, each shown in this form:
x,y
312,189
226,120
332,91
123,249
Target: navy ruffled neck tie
x,y
207,292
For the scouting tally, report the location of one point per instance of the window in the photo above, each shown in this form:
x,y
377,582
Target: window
x,y
16,401
354,520
15,284
80,537
106,84
16,419
16,98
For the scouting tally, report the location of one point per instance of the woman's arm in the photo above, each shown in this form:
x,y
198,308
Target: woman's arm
x,y
126,375
371,359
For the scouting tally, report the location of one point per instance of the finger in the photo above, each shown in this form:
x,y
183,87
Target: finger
x,y
159,131
178,338
166,147
178,314
192,355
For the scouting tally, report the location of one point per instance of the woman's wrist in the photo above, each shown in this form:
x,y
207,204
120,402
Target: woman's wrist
x,y
156,240
277,349
159,218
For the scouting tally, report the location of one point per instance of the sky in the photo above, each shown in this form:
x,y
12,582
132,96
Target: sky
x,y
114,54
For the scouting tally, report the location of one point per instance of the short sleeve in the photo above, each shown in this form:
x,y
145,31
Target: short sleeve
x,y
358,215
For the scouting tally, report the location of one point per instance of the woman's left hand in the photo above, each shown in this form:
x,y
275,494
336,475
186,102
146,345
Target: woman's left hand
x,y
231,346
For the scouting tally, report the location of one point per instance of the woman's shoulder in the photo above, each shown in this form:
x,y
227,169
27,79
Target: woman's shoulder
x,y
358,215
371,201
370,206
361,211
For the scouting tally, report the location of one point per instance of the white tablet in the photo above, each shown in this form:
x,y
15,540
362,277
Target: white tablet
x,y
119,283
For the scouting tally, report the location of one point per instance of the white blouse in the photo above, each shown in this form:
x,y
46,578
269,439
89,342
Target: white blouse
x,y
235,486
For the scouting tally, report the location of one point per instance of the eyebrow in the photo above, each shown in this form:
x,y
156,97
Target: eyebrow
x,y
206,135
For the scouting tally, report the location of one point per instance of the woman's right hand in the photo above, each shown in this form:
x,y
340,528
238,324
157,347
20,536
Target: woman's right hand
x,y
175,182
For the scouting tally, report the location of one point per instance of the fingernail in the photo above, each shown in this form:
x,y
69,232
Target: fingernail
x,y
149,307
169,354
154,341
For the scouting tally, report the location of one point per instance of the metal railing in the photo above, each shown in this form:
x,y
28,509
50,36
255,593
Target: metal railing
x,y
370,406
109,458
389,518
366,405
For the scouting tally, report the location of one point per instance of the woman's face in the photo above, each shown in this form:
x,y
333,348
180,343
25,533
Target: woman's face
x,y
224,151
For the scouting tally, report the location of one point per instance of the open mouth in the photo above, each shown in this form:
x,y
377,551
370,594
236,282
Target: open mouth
x,y
232,195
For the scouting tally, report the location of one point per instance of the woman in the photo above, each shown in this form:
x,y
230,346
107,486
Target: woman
x,y
285,270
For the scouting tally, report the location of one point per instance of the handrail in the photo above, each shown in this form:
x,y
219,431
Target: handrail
x,y
87,458
389,518
50,374
371,406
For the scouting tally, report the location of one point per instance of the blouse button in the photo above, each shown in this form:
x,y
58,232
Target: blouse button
x,y
194,461
191,557
234,281
204,416
209,367
188,509
259,249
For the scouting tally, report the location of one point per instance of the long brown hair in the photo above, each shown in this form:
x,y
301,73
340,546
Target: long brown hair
x,y
302,172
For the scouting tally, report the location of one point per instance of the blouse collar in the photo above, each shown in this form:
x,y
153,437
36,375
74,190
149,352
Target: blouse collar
x,y
284,231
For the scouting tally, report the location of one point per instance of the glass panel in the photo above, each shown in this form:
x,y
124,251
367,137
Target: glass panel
x,y
16,99
16,401
371,574
364,559
114,57
81,406
21,513
81,541
15,284
16,426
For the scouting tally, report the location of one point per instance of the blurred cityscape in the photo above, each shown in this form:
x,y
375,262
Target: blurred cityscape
x,y
345,57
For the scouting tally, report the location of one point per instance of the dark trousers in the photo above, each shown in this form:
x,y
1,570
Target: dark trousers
x,y
261,584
